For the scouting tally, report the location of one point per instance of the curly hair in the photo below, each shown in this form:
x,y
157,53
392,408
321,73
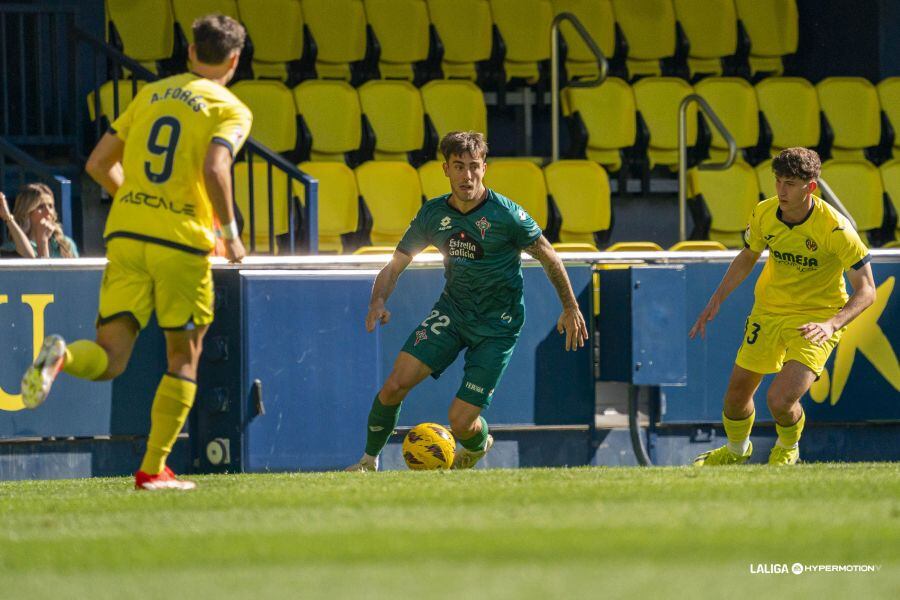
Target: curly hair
x,y
801,163
460,142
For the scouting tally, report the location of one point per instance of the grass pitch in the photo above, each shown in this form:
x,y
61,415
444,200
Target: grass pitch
x,y
542,533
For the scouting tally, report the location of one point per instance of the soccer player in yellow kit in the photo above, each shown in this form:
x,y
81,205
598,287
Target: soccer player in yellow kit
x,y
801,308
167,162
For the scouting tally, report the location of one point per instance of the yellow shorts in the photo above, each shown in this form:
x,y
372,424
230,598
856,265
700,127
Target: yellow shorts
x,y
770,340
142,277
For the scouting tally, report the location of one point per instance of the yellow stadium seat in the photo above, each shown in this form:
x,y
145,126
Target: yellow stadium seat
x,y
697,246
634,247
649,29
338,202
108,107
721,203
454,106
890,179
892,245
276,28
333,115
434,182
766,179
609,115
597,17
734,101
858,186
398,118
657,99
401,27
339,29
392,192
711,28
522,182
773,28
889,96
464,27
851,106
281,203
575,247
791,107
581,191
274,113
186,11
524,26
146,29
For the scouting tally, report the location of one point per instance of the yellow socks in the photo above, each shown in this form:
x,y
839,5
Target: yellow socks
x,y
85,359
171,405
789,437
738,432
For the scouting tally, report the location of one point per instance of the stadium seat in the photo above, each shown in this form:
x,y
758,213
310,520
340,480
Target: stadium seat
x,y
890,179
634,247
274,113
393,195
395,110
332,113
697,246
281,203
146,29
522,182
454,106
580,189
597,17
465,30
792,123
524,26
276,28
608,115
338,203
186,11
575,247
766,179
734,101
851,106
773,28
721,202
649,30
711,29
434,182
858,186
401,28
108,105
889,96
657,100
339,30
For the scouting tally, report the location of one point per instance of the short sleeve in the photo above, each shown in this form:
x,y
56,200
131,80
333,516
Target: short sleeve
x,y
849,248
753,238
415,239
122,126
233,127
525,230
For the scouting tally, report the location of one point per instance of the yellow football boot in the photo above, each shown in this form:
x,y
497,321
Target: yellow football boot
x,y
722,456
784,456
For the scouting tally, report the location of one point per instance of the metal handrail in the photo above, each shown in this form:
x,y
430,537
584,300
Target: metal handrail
x,y
602,64
831,198
682,154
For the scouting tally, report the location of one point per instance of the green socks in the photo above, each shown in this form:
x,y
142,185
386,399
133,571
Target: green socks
x,y
382,420
477,442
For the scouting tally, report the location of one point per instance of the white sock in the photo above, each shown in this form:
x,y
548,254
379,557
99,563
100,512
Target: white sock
x,y
780,445
740,448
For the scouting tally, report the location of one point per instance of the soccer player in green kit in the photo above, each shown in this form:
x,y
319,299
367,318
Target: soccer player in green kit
x,y
481,235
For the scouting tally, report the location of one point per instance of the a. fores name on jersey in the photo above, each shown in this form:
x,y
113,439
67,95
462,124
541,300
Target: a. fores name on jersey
x,y
463,245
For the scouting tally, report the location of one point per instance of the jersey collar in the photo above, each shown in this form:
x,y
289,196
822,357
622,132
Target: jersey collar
x,y
487,196
804,220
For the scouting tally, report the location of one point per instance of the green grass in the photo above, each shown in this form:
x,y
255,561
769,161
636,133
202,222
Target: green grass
x,y
548,533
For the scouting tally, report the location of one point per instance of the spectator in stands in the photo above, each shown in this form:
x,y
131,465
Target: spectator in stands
x,y
33,228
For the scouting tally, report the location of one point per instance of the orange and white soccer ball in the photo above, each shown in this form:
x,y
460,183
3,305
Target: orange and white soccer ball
x,y
429,446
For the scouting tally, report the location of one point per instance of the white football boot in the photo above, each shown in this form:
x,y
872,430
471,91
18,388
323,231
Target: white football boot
x,y
466,459
40,375
366,463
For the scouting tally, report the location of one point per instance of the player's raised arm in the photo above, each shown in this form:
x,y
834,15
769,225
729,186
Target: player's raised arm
x,y
217,176
571,321
738,270
383,288
104,164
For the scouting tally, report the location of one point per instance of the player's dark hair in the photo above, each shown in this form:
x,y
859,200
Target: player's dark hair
x,y
460,142
801,163
216,37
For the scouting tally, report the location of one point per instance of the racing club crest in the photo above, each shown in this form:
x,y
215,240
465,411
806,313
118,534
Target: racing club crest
x,y
421,336
482,225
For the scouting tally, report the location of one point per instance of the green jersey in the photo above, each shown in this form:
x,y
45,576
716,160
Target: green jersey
x,y
482,258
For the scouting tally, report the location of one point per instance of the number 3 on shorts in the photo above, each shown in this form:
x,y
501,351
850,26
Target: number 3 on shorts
x,y
441,321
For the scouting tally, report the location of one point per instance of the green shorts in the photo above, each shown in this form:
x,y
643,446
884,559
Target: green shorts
x,y
438,340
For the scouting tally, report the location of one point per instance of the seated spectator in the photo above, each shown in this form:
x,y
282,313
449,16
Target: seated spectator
x,y
33,228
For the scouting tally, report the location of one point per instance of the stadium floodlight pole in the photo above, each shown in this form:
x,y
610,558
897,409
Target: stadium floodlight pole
x,y
682,154
602,65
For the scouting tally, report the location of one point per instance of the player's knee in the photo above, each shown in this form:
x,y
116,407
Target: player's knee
x,y
779,404
395,389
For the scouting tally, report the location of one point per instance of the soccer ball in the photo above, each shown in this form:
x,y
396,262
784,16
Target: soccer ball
x,y
429,446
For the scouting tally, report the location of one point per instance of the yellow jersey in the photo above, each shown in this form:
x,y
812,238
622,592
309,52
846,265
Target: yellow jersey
x,y
167,130
804,273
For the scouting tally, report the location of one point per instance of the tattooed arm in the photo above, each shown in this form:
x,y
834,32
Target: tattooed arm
x,y
571,320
